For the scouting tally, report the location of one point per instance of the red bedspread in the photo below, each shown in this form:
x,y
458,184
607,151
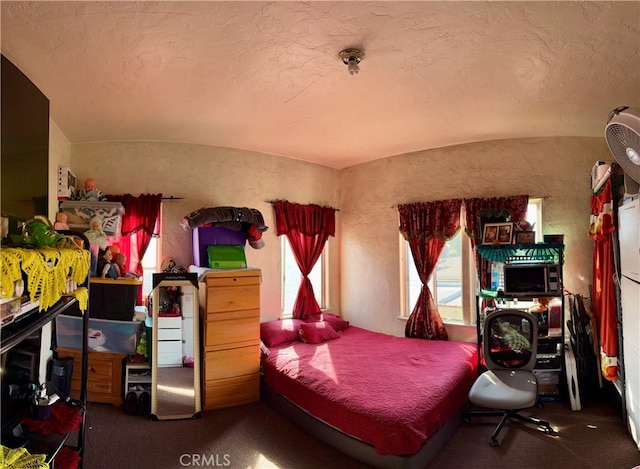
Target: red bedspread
x,y
391,392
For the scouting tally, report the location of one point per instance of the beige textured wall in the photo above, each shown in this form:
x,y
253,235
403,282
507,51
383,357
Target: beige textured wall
x,y
364,276
211,177
59,155
555,168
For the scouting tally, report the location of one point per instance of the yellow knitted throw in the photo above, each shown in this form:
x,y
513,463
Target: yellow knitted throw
x,y
19,458
47,270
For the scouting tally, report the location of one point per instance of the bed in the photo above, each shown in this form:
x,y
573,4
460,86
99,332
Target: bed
x,y
385,400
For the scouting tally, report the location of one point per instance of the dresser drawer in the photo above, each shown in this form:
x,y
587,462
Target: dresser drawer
x,y
169,322
233,298
231,363
169,346
239,332
169,359
232,391
248,277
169,334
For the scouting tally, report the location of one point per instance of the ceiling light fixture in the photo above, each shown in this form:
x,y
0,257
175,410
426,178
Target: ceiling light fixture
x,y
351,58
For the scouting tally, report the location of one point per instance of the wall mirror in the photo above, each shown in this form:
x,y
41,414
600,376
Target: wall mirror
x,y
175,351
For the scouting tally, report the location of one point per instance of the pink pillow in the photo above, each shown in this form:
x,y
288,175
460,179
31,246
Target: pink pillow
x,y
316,332
279,332
336,322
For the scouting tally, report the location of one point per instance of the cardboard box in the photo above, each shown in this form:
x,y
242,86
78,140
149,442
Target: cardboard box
x,y
66,183
226,257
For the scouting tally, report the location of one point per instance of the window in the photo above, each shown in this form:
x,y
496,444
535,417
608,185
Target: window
x,y
450,291
454,281
151,262
291,278
150,265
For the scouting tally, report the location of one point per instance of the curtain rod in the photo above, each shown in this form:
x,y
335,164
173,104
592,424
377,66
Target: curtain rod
x,y
172,198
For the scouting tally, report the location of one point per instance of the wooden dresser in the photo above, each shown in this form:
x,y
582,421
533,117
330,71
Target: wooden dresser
x,y
230,303
104,375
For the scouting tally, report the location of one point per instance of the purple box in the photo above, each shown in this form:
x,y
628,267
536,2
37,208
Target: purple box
x,y
205,236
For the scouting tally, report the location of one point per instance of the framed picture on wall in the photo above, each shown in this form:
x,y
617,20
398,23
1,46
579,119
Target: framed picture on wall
x,y
497,233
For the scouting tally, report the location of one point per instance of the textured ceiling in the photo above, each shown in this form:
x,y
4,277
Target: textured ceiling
x,y
266,76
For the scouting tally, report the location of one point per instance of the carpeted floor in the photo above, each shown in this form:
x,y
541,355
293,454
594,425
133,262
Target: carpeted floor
x,y
254,436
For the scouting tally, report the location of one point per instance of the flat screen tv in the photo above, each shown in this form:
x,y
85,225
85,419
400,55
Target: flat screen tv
x,y
24,152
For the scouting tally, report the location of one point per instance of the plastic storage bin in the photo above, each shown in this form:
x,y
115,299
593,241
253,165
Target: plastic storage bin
x,y
104,335
113,298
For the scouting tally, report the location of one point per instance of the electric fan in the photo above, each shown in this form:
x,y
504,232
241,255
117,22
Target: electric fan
x,y
622,133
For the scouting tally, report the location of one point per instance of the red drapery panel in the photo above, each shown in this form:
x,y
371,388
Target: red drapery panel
x,y
307,228
517,208
601,228
427,226
139,220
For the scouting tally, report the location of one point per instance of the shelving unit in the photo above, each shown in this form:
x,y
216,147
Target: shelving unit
x,y
550,365
136,374
14,434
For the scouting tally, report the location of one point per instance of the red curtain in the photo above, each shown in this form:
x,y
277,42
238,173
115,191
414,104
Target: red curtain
x,y
307,228
140,216
517,208
601,228
427,227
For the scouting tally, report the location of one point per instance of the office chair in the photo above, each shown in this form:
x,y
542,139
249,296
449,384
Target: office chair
x,y
509,344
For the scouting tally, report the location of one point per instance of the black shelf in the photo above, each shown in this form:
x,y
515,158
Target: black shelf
x,y
550,346
35,443
499,295
12,334
13,433
530,252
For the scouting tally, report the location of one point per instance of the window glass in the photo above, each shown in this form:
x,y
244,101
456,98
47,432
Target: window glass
x,y
150,266
151,263
291,278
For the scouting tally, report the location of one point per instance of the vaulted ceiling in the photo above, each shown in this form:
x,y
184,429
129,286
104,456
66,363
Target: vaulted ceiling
x,y
267,76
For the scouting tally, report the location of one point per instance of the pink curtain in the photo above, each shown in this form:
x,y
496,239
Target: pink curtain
x,y
516,206
601,228
427,227
307,228
139,221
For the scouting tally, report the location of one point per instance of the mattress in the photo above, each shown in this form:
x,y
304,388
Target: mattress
x,y
390,392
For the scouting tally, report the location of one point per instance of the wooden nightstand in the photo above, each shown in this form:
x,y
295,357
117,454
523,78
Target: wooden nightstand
x,y
104,375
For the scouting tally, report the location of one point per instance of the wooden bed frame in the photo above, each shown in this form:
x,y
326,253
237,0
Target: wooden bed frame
x,y
354,447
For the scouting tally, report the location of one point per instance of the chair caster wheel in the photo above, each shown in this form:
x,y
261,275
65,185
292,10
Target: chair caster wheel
x,y
494,443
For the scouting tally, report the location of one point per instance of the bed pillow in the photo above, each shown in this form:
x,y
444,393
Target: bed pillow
x,y
280,332
316,332
336,322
